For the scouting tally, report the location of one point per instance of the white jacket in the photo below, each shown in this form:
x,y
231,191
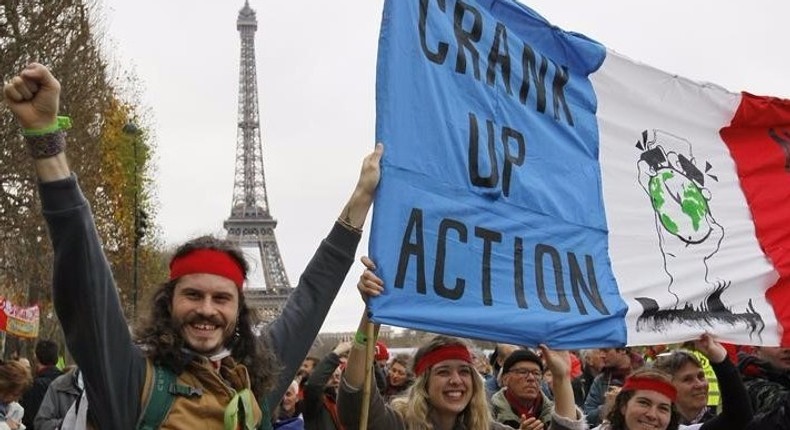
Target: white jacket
x,y
15,412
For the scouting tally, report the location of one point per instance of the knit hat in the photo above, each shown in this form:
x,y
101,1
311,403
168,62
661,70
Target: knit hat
x,y
381,351
519,356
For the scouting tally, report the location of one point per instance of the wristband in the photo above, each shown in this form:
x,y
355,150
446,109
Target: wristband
x,y
360,338
61,123
48,141
46,145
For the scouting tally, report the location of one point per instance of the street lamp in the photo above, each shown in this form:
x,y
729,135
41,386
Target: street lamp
x,y
132,130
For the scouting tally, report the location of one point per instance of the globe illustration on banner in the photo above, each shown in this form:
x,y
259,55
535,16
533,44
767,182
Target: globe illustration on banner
x,y
680,205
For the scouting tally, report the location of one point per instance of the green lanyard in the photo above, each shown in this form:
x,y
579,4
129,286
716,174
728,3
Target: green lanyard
x,y
232,411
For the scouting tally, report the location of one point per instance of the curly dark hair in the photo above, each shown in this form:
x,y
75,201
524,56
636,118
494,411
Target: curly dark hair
x,y
160,338
617,418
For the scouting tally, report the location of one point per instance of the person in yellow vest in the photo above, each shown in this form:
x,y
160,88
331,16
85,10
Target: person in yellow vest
x,y
714,395
200,330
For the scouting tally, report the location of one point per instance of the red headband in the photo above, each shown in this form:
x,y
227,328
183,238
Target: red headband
x,y
445,352
652,384
207,261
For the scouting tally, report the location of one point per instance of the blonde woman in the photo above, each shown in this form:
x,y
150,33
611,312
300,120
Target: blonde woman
x,y
447,394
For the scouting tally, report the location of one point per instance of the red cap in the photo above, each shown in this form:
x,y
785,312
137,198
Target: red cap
x,y
576,366
381,351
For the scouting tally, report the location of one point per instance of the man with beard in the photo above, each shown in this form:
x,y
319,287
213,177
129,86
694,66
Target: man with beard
x,y
766,375
200,330
521,402
689,380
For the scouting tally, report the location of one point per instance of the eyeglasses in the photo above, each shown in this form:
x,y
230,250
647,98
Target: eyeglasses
x,y
524,372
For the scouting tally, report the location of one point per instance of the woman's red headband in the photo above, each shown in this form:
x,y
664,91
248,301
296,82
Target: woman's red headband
x,y
445,352
208,261
652,384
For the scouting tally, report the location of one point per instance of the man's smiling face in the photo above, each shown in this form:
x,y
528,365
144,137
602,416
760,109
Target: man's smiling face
x,y
205,310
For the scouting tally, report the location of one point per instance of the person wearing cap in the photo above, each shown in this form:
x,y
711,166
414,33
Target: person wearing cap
x,y
380,366
447,393
382,354
199,327
521,399
648,398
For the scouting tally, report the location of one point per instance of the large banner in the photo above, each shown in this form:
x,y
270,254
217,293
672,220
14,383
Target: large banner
x,y
537,187
19,321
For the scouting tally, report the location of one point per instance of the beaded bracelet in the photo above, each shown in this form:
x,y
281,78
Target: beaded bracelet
x,y
46,145
345,223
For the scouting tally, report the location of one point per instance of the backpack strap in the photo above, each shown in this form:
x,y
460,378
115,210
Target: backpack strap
x,y
266,416
162,392
160,399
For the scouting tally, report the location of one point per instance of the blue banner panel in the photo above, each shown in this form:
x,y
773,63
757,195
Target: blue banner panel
x,y
489,219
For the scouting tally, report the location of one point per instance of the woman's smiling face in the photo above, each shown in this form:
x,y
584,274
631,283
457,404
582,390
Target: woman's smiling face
x,y
450,386
647,409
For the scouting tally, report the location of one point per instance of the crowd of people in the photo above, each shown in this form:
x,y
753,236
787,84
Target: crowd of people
x,y
545,389
667,391
196,361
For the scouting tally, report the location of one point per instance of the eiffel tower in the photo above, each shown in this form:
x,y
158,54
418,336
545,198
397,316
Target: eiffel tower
x,y
250,224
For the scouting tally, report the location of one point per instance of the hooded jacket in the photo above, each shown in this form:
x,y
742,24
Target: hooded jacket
x,y
767,385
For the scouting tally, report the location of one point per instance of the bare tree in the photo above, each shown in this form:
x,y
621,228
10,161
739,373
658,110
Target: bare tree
x,y
62,34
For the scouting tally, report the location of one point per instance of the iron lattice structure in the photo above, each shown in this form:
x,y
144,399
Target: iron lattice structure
x,y
250,223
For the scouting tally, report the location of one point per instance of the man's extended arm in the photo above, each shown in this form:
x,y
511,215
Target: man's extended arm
x,y
736,411
313,391
84,293
292,334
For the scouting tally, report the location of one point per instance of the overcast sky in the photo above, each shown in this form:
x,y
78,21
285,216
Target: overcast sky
x,y
316,75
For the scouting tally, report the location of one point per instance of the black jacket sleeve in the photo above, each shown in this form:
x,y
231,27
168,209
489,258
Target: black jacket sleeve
x,y
292,334
314,387
736,410
89,309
